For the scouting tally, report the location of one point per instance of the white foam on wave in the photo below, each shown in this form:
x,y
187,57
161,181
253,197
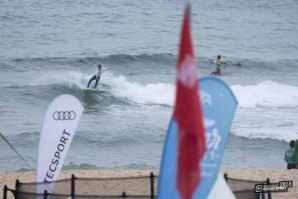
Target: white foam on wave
x,y
263,109
263,94
159,93
266,110
281,134
119,86
54,77
266,94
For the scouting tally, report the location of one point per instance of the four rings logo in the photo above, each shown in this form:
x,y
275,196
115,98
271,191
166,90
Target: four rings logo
x,y
64,115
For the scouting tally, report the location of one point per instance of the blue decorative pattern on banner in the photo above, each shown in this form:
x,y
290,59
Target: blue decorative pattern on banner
x,y
219,105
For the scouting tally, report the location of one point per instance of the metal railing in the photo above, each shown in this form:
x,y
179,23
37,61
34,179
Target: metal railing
x,y
122,187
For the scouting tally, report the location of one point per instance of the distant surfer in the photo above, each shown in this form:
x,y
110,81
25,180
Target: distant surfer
x,y
216,72
96,77
219,62
239,64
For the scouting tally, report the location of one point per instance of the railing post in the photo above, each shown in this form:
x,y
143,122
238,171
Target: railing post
x,y
123,195
269,193
73,186
152,185
226,177
17,188
5,192
45,195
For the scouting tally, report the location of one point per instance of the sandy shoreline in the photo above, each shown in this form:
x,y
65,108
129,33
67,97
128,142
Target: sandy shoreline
x,y
8,178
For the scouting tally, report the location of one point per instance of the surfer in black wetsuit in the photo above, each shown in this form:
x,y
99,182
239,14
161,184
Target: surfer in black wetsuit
x,y
216,72
96,77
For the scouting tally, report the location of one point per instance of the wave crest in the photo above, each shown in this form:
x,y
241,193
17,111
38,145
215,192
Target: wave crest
x,y
266,94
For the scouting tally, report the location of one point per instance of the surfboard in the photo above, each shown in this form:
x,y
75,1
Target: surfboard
x,y
216,75
212,60
93,90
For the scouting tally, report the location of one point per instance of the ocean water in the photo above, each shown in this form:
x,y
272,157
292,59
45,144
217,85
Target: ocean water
x,y
50,48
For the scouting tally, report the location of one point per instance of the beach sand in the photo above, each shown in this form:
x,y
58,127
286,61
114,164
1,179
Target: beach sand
x,y
8,178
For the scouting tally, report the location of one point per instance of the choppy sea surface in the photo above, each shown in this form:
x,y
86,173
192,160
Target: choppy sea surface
x,y
50,48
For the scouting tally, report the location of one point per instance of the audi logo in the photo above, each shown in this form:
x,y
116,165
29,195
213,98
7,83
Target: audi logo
x,y
64,115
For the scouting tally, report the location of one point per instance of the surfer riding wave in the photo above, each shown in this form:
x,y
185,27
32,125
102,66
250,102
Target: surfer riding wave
x,y
96,77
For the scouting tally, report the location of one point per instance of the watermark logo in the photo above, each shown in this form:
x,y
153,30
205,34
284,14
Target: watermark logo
x,y
281,186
